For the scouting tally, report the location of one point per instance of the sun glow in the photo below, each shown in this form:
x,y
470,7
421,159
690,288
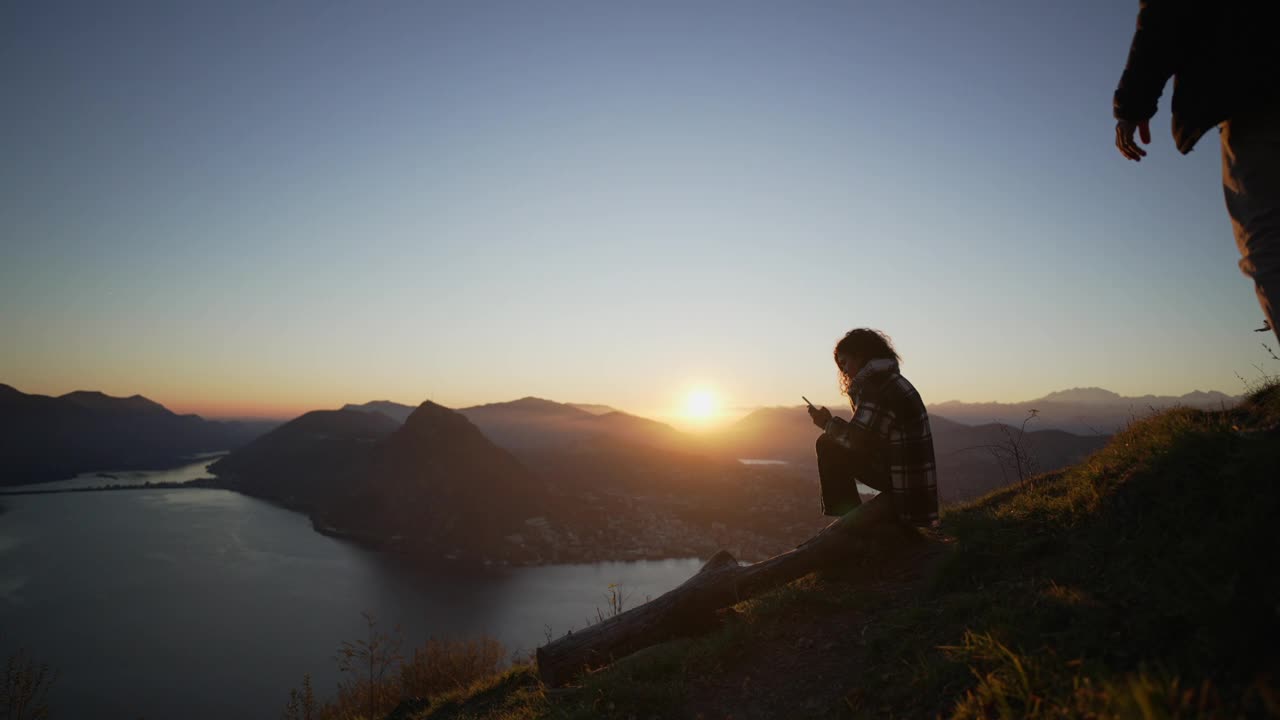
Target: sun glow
x,y
700,406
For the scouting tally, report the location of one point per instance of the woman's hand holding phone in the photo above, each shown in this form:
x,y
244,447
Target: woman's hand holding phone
x,y
820,416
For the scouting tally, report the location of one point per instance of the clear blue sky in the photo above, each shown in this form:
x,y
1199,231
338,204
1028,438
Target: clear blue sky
x,y
242,206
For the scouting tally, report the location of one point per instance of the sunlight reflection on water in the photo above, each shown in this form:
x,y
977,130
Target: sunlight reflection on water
x,y
185,473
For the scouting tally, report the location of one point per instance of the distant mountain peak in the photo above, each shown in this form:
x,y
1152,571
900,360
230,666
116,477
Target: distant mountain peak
x,y
1091,395
338,421
1099,396
394,410
433,418
96,400
531,404
428,408
531,401
1200,396
86,395
49,438
594,408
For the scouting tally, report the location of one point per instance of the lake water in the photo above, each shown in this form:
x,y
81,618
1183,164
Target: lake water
x,y
763,462
192,470
198,603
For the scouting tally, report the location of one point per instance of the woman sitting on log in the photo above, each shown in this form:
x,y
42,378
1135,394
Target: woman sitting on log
x,y
887,445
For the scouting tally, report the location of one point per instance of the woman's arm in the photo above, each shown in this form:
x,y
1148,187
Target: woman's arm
x,y
867,431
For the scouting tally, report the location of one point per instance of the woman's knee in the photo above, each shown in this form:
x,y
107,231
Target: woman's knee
x,y
825,444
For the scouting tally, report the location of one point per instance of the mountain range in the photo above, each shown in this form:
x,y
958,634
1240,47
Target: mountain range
x,y
1090,411
532,422
433,484
530,480
577,486
50,438
970,458
556,484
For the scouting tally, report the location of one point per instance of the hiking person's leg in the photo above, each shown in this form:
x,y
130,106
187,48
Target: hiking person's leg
x,y
1251,184
877,478
836,469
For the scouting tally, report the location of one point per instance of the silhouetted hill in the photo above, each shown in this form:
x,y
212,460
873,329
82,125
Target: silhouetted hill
x,y
973,460
533,405
532,422
311,460
1090,411
527,422
535,423
1084,396
538,423
437,485
593,408
393,410
49,438
641,430
773,433
1099,396
434,484
134,404
442,486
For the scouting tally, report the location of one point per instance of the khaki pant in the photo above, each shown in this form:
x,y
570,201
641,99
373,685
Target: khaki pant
x,y
1251,182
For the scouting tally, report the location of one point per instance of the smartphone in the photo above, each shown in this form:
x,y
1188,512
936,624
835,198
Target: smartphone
x,y
806,401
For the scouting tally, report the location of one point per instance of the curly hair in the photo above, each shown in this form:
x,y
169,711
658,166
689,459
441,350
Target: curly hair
x,y
865,343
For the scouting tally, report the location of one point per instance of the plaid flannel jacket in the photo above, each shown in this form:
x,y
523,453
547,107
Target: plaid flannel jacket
x,y
889,416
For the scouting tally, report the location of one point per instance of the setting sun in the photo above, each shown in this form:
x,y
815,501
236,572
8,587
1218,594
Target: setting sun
x,y
700,405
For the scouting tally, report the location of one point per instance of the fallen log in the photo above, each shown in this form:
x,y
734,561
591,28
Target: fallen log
x,y
722,582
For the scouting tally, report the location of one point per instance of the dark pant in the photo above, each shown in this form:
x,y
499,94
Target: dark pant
x,y
1251,181
839,472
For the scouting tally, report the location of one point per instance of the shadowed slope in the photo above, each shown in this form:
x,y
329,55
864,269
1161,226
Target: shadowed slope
x,y
310,461
434,485
438,482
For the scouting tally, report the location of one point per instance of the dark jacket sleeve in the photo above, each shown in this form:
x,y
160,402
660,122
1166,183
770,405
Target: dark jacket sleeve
x,y
1152,59
865,433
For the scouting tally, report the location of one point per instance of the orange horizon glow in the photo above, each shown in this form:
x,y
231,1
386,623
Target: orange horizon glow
x,y
241,410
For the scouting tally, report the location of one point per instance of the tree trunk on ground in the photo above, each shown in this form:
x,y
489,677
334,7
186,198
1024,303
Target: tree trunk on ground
x,y
722,582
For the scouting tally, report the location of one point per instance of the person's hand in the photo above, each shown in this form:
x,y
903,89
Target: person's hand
x,y
820,416
1124,139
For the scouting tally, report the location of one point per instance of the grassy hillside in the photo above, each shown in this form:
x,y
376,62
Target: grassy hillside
x,y
1138,583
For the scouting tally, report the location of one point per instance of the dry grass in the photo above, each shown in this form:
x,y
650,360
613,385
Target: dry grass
x,y
378,680
24,693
